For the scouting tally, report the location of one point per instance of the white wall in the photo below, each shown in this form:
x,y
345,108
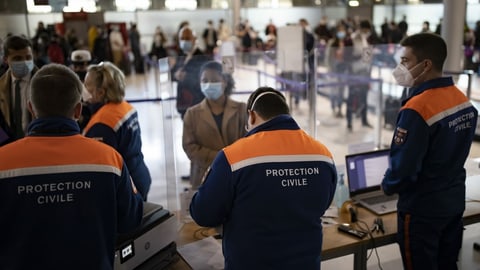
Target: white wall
x,y
258,17
17,23
169,20
417,14
473,14
147,21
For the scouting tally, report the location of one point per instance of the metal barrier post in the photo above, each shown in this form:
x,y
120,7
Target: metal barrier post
x,y
157,79
469,73
170,157
469,83
264,68
259,79
313,93
379,108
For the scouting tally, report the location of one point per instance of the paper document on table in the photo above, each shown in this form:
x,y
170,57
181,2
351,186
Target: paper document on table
x,y
332,212
328,221
205,254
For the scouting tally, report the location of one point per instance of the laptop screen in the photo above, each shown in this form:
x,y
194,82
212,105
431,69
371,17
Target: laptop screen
x,y
365,171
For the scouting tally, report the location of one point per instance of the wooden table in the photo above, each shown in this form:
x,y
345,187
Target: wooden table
x,y
338,244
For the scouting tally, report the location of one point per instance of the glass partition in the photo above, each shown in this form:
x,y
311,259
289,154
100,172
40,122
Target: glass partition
x,y
348,100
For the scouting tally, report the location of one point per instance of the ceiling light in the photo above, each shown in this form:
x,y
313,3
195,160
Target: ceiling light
x,y
353,3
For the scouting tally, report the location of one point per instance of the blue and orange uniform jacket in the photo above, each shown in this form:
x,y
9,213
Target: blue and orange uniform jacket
x,y
269,190
63,199
435,129
117,125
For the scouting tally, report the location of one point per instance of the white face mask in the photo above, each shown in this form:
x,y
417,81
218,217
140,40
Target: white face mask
x,y
403,76
212,91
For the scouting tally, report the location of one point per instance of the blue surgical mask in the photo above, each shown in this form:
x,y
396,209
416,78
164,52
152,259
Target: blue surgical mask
x,y
212,91
341,34
21,69
186,45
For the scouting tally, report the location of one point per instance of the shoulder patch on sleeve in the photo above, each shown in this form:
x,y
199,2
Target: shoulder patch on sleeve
x,y
134,188
400,136
207,172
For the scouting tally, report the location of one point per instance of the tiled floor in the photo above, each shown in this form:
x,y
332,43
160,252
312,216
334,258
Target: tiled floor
x,y
162,132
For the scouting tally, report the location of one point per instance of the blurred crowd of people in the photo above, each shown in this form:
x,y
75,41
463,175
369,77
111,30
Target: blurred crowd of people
x,y
104,43
341,45
124,47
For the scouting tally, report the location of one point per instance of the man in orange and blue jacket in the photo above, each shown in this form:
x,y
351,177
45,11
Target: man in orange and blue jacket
x,y
63,197
434,131
268,190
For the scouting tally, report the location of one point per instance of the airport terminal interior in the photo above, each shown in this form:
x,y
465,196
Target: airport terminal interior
x,y
152,90
156,117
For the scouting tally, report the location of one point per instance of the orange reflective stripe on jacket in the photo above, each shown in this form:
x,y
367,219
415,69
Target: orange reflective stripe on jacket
x,y
112,115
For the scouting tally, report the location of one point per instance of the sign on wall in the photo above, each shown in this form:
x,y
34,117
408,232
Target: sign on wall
x,y
290,49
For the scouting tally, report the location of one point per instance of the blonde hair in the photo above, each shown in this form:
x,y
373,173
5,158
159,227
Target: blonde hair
x,y
111,79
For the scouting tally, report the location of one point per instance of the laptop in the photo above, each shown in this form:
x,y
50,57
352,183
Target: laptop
x,y
365,172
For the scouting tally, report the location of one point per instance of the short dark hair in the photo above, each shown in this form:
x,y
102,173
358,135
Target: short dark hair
x,y
217,67
16,43
365,24
185,29
427,46
268,105
54,91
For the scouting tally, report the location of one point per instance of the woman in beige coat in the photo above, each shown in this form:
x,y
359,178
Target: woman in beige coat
x,y
214,123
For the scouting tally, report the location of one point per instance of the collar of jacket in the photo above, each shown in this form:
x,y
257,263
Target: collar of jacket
x,y
229,103
283,121
431,84
92,108
53,126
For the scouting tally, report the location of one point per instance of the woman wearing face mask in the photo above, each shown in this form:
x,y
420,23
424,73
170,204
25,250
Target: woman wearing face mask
x,y
361,65
338,64
14,88
186,70
158,50
114,121
214,123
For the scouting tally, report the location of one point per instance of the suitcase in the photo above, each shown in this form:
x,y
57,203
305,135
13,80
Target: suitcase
x,y
391,109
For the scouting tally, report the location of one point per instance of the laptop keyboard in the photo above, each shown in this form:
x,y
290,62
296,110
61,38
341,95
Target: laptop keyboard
x,y
378,199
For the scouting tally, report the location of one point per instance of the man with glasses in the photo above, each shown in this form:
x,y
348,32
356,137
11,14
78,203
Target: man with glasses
x,y
268,190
